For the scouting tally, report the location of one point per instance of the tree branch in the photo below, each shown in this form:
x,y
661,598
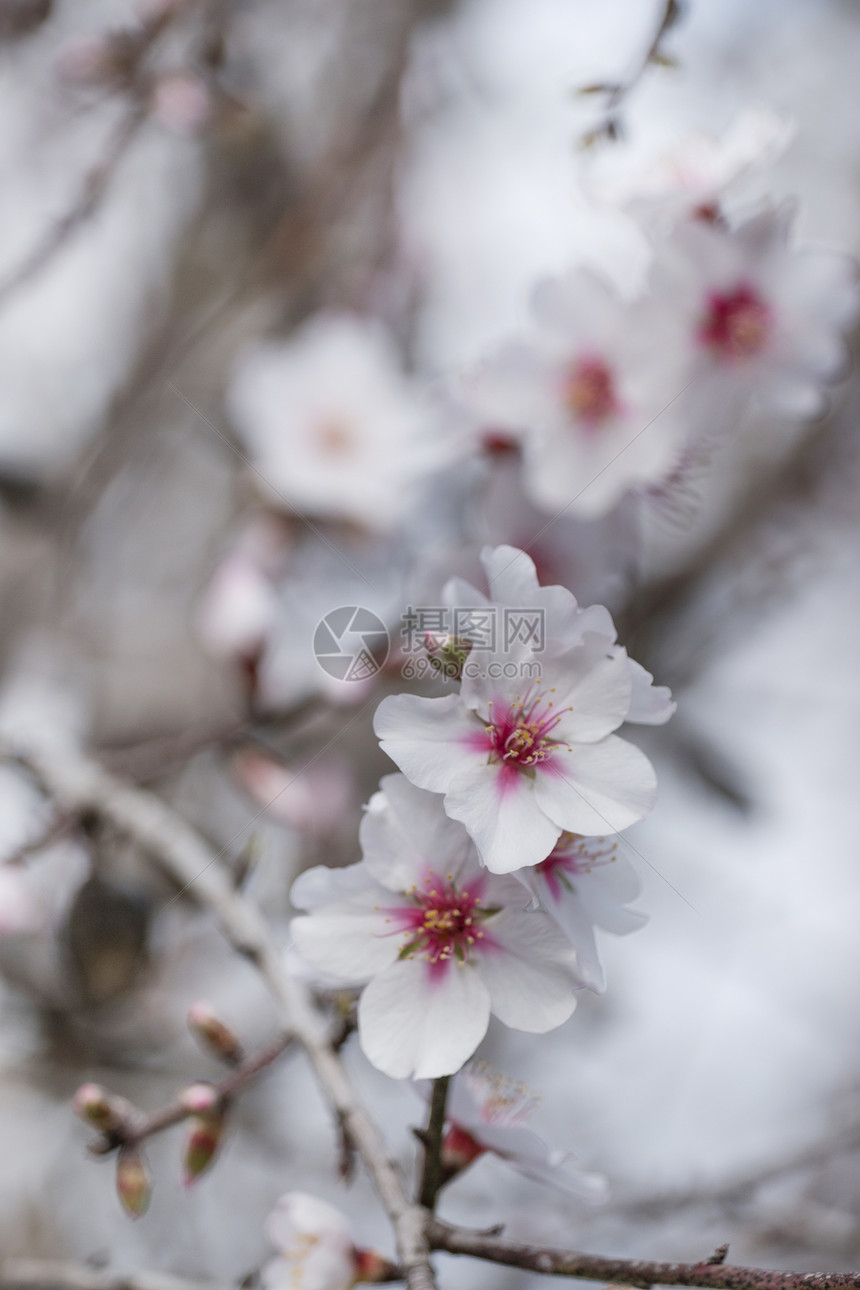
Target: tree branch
x,y
629,1272
137,1131
431,1179
80,786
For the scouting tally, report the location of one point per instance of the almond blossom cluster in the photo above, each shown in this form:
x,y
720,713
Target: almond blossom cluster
x,y
485,866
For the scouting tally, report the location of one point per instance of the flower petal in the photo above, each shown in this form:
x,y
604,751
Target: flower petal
x,y
503,816
529,971
597,789
323,886
350,940
405,831
427,738
650,704
593,679
412,1024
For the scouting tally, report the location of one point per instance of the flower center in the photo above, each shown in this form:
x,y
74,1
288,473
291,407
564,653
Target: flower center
x,y
522,735
588,392
736,325
335,437
442,921
573,856
501,1100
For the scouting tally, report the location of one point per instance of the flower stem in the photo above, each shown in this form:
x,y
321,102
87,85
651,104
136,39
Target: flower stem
x,y
431,1178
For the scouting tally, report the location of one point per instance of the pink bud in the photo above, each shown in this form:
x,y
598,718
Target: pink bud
x,y
212,1034
201,1099
374,1268
100,1108
133,1182
201,1146
459,1149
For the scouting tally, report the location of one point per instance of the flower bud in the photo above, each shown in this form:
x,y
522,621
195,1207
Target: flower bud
x,y
371,1267
447,654
213,1036
133,1181
459,1149
96,1106
201,1099
201,1146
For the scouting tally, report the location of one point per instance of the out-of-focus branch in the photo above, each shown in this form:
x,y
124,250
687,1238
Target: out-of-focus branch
x,y
738,1190
711,1272
136,1131
43,1274
610,126
80,786
90,197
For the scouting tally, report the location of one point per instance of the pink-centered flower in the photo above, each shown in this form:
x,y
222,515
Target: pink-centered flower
x,y
487,1111
440,942
527,748
589,394
514,589
333,425
760,318
585,883
695,172
316,1249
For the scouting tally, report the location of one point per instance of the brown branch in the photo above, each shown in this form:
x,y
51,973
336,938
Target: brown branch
x,y
610,126
81,787
136,1130
431,1179
629,1272
43,1274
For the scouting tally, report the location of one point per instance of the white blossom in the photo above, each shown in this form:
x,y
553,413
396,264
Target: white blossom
x,y
487,1111
315,1244
333,426
440,942
696,170
758,317
514,586
585,883
589,394
527,748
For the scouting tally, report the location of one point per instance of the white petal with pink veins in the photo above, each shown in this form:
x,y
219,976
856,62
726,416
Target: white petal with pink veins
x,y
410,1024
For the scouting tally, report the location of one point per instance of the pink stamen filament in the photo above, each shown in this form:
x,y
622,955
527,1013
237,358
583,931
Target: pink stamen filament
x,y
522,735
573,856
442,923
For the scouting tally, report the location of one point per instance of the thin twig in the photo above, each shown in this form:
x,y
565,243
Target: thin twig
x,y
92,193
137,1131
628,1272
431,1178
80,786
610,126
